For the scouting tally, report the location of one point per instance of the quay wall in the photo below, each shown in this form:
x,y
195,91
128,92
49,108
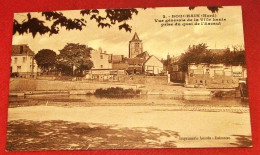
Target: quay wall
x,y
20,84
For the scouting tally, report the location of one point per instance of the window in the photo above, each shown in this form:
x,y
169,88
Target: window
x,y
101,66
101,56
23,59
19,68
15,60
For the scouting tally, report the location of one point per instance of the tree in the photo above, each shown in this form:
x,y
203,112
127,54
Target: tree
x,y
74,55
200,54
34,25
213,9
235,57
57,20
46,59
195,54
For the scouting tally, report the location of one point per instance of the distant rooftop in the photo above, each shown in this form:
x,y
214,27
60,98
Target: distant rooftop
x,y
218,51
21,49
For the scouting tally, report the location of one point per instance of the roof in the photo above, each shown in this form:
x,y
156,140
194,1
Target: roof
x,y
21,49
117,58
138,68
135,37
134,61
150,58
120,66
143,55
218,51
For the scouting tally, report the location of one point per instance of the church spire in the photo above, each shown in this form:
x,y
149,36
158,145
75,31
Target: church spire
x,y
135,37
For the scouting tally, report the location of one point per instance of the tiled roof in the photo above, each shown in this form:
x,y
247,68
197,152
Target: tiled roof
x,y
120,66
143,55
134,61
150,58
22,49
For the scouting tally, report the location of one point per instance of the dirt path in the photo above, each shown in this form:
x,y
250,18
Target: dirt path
x,y
138,127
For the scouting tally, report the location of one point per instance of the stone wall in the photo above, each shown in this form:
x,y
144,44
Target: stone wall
x,y
204,80
20,84
156,80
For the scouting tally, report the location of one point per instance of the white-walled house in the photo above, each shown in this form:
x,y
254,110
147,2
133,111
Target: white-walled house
x,y
100,59
153,65
22,61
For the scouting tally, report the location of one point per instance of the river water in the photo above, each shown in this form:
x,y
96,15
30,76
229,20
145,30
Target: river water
x,y
91,100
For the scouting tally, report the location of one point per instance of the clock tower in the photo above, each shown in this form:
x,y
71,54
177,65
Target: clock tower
x,y
135,46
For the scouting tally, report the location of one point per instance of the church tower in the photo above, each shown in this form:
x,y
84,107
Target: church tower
x,y
135,46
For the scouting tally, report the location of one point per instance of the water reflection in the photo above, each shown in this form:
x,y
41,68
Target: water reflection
x,y
91,100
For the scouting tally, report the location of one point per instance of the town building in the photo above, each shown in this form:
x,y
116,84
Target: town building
x,y
22,61
135,65
100,59
145,55
116,58
153,66
102,69
214,75
135,46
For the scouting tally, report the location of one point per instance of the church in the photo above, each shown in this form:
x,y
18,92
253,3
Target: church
x,y
140,61
135,46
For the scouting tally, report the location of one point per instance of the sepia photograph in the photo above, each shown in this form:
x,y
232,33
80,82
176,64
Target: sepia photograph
x,y
128,78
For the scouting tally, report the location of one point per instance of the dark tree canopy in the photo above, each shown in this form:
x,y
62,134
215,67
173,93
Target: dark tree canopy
x,y
74,55
58,20
213,9
45,59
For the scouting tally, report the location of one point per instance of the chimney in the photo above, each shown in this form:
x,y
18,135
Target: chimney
x,y
21,49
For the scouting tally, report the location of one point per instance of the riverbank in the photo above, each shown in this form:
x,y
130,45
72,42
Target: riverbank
x,y
23,87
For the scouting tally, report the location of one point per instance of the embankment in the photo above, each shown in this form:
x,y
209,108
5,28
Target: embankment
x,y
22,85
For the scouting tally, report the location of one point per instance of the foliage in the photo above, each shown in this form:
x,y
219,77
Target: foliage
x,y
195,54
45,59
74,55
58,20
116,92
213,9
200,54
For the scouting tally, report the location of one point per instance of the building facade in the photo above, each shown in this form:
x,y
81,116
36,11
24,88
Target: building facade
x,y
153,66
214,75
22,61
100,59
135,46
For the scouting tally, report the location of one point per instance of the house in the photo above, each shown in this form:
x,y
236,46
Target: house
x,y
116,58
144,55
100,59
153,66
22,61
214,75
135,65
102,69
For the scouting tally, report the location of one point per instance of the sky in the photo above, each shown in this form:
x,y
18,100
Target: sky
x,y
157,40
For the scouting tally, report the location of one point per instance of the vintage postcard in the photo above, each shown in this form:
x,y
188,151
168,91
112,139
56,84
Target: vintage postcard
x,y
172,77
